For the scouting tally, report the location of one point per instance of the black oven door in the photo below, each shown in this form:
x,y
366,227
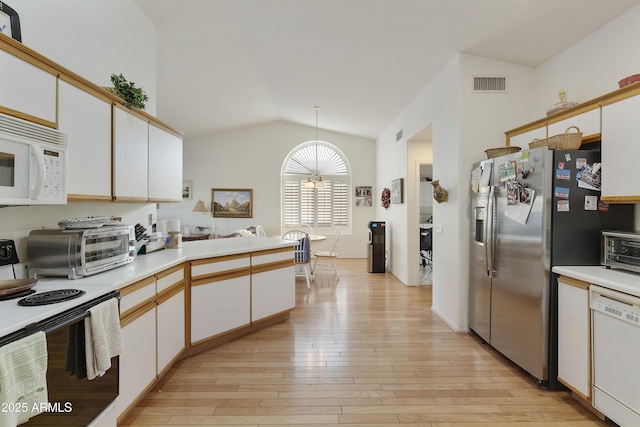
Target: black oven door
x,y
73,399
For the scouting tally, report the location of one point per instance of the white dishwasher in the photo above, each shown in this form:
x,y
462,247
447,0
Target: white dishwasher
x,y
616,351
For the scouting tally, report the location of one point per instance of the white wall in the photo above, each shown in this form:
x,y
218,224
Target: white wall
x,y
252,157
593,66
464,124
93,39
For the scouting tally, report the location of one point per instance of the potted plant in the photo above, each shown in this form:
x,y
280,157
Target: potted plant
x,y
135,97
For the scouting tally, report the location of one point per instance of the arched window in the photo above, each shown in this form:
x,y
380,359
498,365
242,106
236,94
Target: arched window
x,y
324,208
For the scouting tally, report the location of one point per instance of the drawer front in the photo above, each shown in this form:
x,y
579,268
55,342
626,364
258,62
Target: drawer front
x,y
137,294
267,258
170,279
213,267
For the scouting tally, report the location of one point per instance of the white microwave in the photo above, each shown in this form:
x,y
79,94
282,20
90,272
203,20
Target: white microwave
x,y
33,163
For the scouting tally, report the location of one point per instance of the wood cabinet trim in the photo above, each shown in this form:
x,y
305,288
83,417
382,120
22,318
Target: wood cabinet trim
x,y
166,128
129,289
620,199
130,199
270,266
273,251
575,111
170,271
574,391
135,312
87,198
217,277
28,117
170,292
581,284
220,259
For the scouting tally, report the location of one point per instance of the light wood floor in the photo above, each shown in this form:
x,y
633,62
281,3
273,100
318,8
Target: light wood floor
x,y
365,351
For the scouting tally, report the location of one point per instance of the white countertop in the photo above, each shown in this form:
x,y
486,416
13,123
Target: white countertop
x,y
617,280
14,317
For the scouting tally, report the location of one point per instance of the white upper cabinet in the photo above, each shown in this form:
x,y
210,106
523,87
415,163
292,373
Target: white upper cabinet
x,y
27,91
588,122
165,165
620,150
86,119
131,156
523,139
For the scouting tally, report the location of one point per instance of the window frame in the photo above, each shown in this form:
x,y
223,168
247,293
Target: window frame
x,y
294,183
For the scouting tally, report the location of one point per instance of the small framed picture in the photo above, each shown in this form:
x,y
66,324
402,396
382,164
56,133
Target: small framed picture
x,y
396,191
232,203
9,22
363,196
187,189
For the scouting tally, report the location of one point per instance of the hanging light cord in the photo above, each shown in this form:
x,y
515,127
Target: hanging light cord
x,y
317,171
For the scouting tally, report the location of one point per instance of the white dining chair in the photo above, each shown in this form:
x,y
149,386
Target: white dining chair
x,y
302,252
303,227
326,256
260,231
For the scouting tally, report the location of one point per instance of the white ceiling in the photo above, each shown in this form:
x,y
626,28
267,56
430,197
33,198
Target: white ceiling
x,y
224,64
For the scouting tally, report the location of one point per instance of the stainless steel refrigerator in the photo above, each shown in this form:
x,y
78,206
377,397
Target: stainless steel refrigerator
x,y
530,211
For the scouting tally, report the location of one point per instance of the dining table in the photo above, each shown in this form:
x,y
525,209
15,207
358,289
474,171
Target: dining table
x,y
312,237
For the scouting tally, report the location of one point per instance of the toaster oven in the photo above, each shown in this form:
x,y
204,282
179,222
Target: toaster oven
x,y
81,252
621,250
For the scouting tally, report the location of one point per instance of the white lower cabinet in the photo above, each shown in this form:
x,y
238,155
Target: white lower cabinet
x,y
219,306
152,313
574,331
138,361
272,283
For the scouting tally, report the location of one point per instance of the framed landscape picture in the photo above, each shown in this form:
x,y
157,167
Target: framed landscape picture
x,y
232,203
187,189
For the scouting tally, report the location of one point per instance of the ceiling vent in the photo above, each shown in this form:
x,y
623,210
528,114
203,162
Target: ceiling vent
x,y
490,84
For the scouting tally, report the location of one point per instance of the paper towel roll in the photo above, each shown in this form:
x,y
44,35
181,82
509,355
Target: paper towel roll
x,y
161,226
173,225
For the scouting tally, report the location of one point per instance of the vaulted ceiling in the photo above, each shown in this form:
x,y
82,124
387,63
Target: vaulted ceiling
x,y
224,64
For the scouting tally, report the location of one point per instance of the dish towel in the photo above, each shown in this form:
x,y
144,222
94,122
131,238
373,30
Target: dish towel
x,y
103,337
23,379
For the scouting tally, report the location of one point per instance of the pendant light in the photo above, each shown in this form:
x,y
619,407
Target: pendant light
x,y
315,180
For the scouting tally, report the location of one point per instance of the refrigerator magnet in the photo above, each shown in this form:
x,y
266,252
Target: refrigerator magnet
x,y
563,174
562,193
567,157
590,203
603,207
581,162
563,206
560,165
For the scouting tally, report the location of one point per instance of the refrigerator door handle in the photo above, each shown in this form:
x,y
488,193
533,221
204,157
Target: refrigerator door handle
x,y
489,229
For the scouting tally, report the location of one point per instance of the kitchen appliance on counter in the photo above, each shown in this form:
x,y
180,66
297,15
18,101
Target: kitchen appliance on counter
x,y
79,252
530,211
621,250
33,163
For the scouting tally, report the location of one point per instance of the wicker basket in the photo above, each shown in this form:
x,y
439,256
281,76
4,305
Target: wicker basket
x,y
501,151
564,141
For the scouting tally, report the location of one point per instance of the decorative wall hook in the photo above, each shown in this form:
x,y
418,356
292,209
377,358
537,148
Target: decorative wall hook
x,y
439,193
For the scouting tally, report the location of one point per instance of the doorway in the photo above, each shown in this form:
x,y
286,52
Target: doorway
x,y
426,225
420,207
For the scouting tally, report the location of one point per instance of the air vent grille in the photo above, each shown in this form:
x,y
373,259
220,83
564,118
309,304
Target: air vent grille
x,y
31,131
489,84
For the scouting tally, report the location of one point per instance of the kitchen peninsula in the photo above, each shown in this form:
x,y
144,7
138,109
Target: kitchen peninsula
x,y
177,302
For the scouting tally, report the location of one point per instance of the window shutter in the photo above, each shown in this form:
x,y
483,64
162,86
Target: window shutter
x,y
291,203
340,204
324,205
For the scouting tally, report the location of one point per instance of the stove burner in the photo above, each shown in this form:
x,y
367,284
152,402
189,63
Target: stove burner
x,y
18,295
51,297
